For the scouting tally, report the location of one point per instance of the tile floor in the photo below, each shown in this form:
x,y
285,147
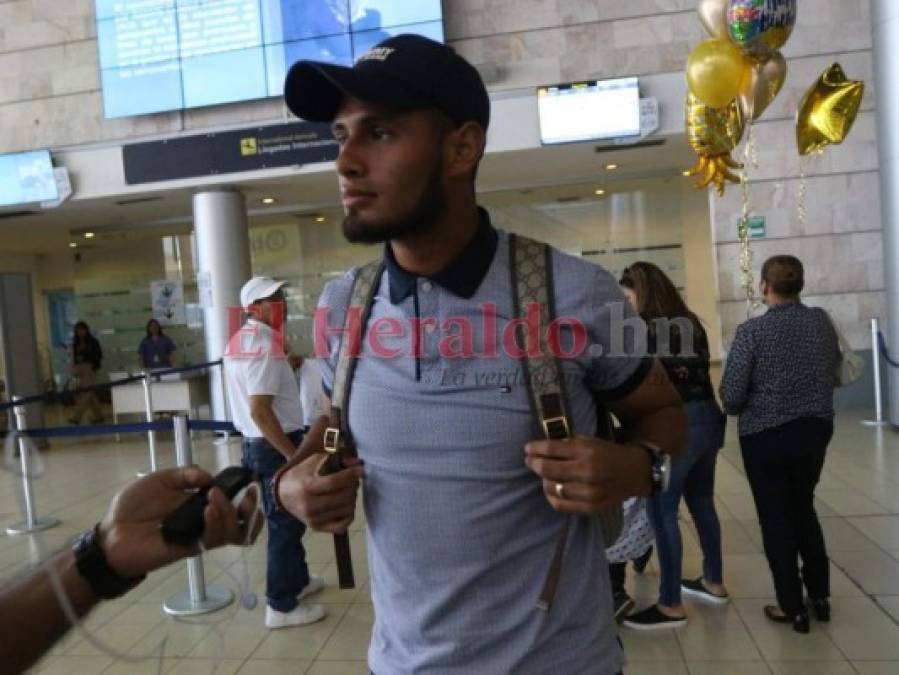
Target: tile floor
x,y
858,504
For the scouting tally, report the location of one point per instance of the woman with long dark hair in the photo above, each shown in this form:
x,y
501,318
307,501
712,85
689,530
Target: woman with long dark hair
x,y
779,378
86,358
676,337
156,350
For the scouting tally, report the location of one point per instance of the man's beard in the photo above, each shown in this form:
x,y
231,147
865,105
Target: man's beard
x,y
421,220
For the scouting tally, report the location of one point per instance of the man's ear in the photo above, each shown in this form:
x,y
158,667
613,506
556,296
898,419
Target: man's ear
x,y
465,148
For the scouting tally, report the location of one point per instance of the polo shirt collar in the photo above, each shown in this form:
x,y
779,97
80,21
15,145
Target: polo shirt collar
x,y
461,277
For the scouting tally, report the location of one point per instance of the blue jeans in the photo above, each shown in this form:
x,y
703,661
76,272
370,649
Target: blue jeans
x,y
287,573
693,476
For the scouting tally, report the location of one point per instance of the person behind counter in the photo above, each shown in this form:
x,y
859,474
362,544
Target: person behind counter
x,y
156,350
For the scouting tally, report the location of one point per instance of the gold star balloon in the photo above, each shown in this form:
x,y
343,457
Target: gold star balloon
x,y
828,110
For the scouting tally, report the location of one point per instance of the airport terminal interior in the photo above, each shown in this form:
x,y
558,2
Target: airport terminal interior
x,y
147,171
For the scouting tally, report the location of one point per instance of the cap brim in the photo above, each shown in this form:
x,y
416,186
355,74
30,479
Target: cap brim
x,y
266,292
314,91
274,288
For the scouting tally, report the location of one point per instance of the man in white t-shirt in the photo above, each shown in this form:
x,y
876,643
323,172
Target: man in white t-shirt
x,y
312,395
266,409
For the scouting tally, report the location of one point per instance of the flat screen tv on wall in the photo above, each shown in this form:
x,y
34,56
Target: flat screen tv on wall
x,y
589,111
160,55
27,178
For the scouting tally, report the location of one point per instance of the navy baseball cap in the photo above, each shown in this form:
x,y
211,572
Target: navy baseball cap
x,y
404,72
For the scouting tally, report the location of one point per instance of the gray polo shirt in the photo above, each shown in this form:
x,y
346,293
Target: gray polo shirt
x,y
460,535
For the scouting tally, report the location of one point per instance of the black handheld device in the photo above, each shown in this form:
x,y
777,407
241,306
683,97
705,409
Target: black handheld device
x,y
185,524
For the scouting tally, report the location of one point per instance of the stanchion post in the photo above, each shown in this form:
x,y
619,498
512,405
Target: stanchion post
x,y
878,392
151,434
225,402
223,438
199,598
32,523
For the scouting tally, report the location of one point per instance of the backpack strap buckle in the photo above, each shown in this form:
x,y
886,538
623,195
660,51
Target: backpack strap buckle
x,y
556,427
332,440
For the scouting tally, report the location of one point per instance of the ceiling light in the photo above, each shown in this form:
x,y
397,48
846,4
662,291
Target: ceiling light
x,y
611,167
686,173
319,219
89,235
73,245
600,192
268,200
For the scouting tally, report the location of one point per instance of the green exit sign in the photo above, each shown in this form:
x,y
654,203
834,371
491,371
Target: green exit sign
x,y
756,226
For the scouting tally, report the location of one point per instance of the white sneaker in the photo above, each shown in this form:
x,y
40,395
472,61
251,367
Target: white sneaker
x,y
300,615
315,585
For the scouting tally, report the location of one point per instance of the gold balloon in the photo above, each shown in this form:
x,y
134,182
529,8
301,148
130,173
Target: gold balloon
x,y
762,82
713,134
714,71
713,16
828,110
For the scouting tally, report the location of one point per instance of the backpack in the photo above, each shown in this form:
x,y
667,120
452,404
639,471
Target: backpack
x,y
530,265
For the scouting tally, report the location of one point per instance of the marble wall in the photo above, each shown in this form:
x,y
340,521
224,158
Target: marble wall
x,y
50,97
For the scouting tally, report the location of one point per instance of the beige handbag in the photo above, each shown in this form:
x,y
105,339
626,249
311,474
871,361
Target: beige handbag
x,y
851,366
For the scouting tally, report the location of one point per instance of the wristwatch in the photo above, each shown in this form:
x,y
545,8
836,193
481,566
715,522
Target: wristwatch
x,y
90,560
660,466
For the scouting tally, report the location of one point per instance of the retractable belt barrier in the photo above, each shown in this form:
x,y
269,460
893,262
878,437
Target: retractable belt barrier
x,y
137,427
200,597
878,349
156,374
32,522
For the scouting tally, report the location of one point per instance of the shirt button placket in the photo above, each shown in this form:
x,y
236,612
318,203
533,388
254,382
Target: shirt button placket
x,y
428,299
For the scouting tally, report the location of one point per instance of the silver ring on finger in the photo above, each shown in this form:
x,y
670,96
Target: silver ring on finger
x,y
560,491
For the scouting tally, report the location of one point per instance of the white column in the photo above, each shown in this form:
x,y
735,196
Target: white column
x,y
223,266
885,27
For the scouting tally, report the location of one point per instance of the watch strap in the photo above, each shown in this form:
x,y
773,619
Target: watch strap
x,y
90,560
656,464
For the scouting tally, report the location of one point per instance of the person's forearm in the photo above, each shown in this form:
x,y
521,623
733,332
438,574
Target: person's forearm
x,y
665,427
271,429
313,442
32,615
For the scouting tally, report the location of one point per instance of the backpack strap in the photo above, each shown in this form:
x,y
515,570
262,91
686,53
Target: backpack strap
x,y
530,265
338,442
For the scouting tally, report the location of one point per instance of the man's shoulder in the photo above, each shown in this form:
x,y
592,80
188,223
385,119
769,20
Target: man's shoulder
x,y
564,263
755,325
569,264
336,292
581,284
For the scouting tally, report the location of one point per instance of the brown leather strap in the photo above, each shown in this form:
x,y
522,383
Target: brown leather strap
x,y
530,266
338,440
342,552
548,593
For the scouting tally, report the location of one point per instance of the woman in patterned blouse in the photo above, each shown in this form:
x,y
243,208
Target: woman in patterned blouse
x,y
779,379
676,337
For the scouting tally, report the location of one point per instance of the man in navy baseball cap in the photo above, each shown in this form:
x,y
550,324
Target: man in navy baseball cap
x,y
411,120
461,515
402,72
